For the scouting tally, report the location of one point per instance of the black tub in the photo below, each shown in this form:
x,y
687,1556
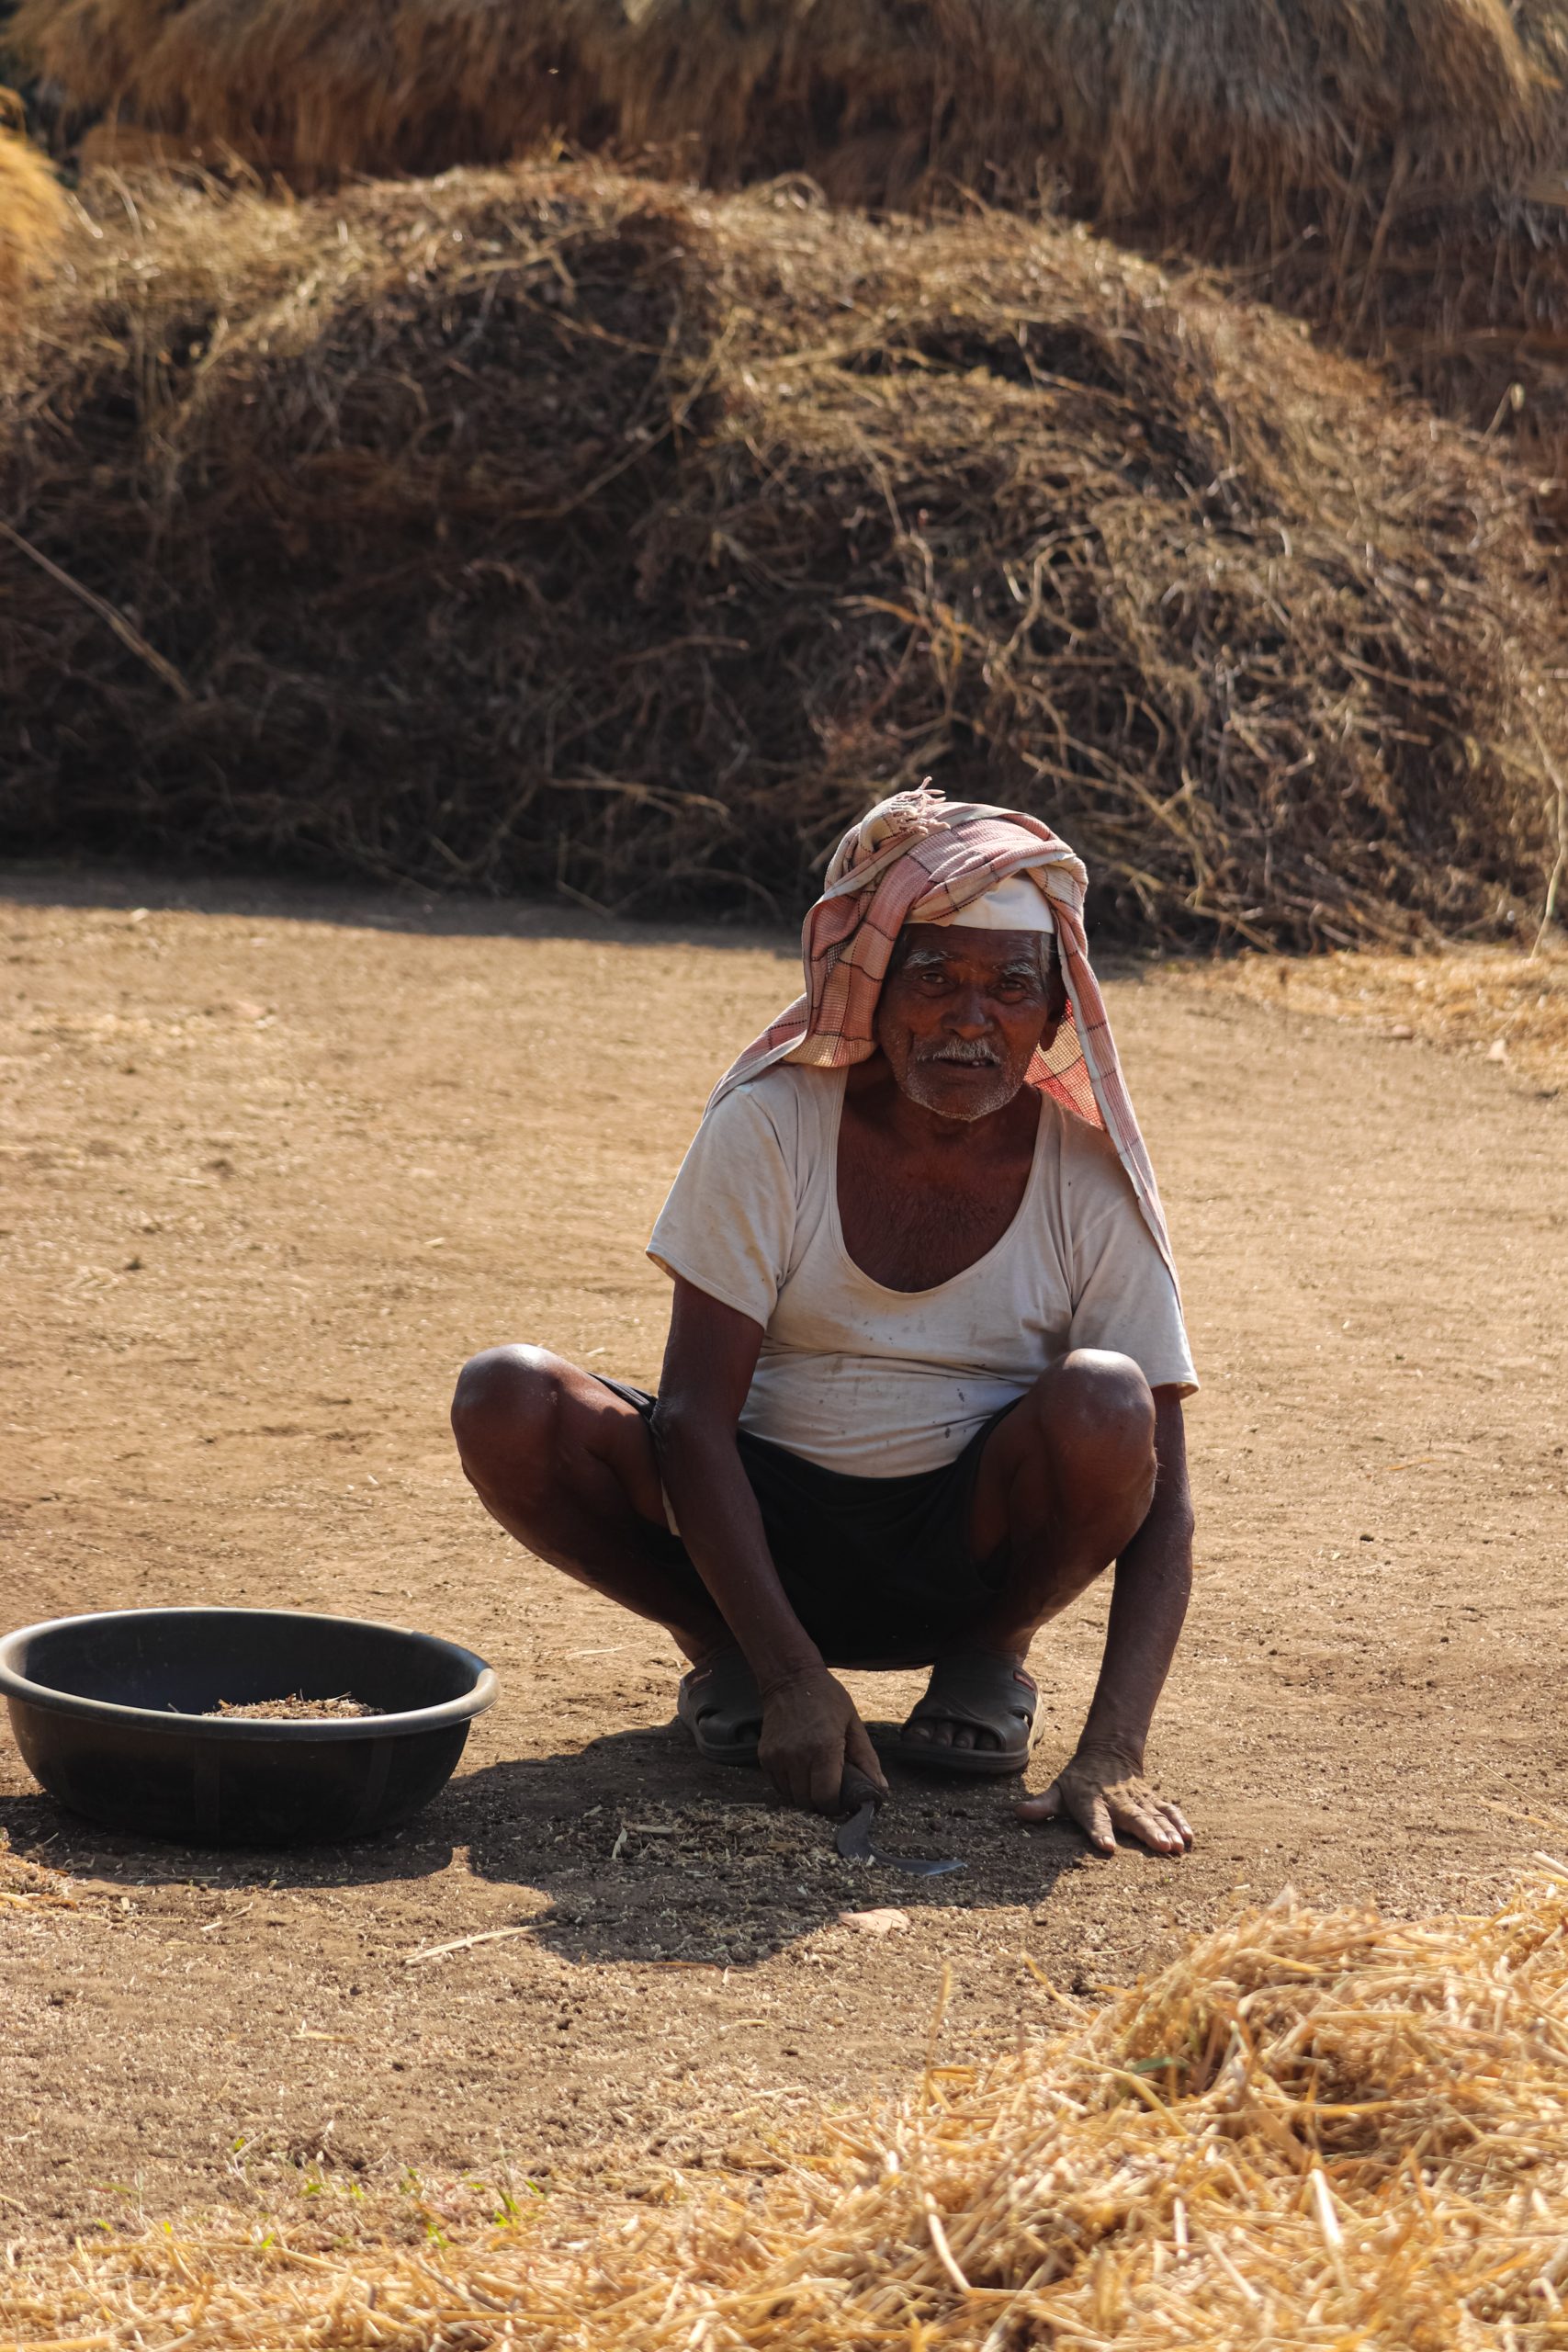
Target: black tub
x,y
108,1712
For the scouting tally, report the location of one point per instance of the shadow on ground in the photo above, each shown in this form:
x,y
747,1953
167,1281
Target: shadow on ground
x,y
112,888
290,897
640,1850
43,1831
647,1853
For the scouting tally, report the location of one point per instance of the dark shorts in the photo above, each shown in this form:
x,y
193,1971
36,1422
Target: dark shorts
x,y
878,1570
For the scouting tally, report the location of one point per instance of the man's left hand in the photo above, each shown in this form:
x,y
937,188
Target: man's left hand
x,y
1105,1791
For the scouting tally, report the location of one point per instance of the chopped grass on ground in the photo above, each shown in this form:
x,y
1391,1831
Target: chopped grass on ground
x,y
1510,1007
1314,2127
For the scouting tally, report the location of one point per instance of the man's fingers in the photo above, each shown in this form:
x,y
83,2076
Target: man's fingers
x,y
825,1780
1147,1822
1158,1822
859,1751
1041,1808
1101,1808
790,1773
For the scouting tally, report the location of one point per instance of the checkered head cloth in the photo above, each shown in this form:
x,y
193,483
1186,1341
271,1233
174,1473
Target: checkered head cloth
x,y
917,857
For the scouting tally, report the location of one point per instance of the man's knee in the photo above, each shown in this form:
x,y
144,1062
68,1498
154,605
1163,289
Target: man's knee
x,y
1096,1406
506,1413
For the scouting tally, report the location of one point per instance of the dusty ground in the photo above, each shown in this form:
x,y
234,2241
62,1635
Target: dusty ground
x,y
275,1163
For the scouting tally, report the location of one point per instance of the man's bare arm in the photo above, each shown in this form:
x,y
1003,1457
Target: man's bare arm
x,y
1103,1788
810,1729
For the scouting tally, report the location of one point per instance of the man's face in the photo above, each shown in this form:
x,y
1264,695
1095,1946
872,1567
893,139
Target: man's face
x,y
961,1012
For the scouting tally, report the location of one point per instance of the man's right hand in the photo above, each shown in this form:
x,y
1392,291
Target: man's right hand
x,y
810,1732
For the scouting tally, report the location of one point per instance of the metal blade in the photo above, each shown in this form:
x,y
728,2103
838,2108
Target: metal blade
x,y
853,1838
854,1841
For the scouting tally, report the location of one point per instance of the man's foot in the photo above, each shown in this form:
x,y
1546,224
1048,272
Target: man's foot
x,y
978,1716
720,1705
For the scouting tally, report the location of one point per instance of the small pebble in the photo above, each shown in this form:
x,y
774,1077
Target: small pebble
x,y
874,1923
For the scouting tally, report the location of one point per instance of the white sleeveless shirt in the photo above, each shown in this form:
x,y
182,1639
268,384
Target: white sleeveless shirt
x,y
880,1383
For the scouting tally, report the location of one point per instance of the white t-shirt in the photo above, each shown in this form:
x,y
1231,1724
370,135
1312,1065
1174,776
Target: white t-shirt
x,y
879,1382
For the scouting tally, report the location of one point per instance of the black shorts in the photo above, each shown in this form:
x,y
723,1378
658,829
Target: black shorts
x,y
878,1570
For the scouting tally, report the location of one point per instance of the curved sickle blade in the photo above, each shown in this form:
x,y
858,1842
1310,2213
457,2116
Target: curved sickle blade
x,y
854,1841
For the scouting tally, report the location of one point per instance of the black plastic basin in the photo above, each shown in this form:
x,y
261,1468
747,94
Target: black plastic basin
x,y
109,1712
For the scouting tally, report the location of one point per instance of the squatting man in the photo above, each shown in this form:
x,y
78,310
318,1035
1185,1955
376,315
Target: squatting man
x,y
926,1357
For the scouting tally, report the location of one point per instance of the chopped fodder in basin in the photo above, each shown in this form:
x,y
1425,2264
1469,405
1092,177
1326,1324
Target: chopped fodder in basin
x,y
1310,2128
293,1709
529,531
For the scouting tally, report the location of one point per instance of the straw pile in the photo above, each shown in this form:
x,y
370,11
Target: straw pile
x,y
1509,1008
878,98
1310,2131
522,529
32,219
1393,168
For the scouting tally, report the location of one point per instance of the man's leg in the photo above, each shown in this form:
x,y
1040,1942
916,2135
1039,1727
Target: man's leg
x,y
568,1469
1065,1483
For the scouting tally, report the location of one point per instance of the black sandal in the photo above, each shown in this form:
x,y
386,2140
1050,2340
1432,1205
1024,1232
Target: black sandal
x,y
990,1694
721,1707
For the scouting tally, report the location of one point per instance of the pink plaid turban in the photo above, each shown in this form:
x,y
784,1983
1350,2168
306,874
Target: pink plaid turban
x,y
918,858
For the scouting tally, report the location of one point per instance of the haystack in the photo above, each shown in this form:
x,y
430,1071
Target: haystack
x,y
1496,1003
1393,169
878,96
32,220
529,529
1312,2129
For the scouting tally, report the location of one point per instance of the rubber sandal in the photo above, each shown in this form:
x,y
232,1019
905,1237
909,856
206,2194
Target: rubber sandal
x,y
721,1707
990,1693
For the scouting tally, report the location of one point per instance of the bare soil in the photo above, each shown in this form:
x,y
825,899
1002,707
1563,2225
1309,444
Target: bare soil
x,y
276,1161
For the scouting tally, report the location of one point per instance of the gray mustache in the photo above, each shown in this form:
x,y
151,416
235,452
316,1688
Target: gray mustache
x,y
978,1055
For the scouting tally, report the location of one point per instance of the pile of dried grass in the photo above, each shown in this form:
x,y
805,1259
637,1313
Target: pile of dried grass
x,y
1379,163
1310,2129
1509,1007
879,99
32,220
518,530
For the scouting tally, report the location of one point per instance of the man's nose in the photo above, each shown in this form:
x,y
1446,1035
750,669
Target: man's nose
x,y
968,1016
